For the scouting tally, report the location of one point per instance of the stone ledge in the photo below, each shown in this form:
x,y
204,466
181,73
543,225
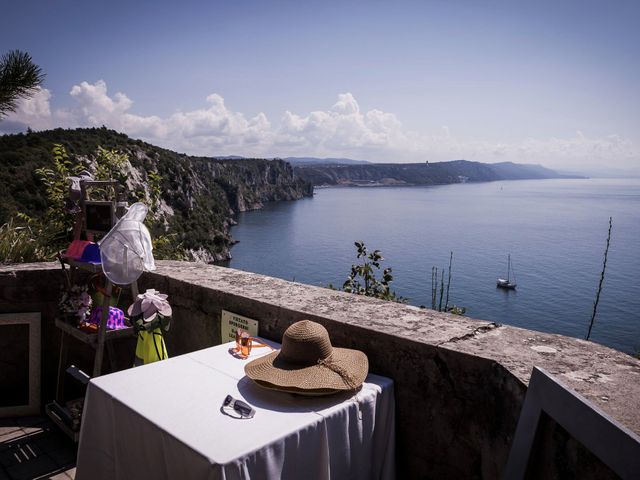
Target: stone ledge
x,y
459,382
607,377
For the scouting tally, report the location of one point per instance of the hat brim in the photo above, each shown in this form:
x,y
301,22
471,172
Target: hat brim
x,y
271,372
320,392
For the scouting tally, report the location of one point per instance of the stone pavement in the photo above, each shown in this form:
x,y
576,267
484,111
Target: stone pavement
x,y
33,448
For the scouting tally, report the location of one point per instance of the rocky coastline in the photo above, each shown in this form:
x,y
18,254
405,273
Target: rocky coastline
x,y
200,196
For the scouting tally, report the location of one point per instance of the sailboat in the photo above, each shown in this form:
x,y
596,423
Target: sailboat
x,y
508,284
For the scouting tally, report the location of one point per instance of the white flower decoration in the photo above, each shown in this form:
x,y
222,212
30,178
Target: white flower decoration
x,y
149,304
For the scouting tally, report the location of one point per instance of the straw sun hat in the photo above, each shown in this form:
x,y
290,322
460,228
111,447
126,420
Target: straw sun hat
x,y
307,363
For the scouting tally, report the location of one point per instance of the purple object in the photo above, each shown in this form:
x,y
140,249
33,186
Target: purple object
x,y
115,320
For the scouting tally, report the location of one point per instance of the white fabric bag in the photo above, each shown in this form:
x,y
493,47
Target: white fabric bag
x,y
126,251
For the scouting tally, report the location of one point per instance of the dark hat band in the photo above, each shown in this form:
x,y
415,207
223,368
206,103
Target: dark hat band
x,y
335,367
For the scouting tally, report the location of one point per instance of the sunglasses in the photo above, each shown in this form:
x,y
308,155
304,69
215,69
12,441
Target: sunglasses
x,y
241,408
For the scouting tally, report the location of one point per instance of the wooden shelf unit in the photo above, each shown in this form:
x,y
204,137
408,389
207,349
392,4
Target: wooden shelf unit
x,y
58,414
98,341
57,410
103,335
92,338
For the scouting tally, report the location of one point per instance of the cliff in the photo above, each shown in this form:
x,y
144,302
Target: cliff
x,y
439,173
200,195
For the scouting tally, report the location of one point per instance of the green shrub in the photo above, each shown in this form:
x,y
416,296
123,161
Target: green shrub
x,y
26,239
19,243
362,279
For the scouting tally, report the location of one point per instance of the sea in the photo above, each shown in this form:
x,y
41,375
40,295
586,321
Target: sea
x,y
554,230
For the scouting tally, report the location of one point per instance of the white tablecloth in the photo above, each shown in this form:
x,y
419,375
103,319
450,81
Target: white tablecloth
x,y
163,421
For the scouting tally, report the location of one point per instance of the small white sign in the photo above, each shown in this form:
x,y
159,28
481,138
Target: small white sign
x,y
230,322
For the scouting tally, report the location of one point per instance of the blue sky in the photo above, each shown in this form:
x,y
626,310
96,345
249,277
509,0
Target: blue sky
x,y
555,83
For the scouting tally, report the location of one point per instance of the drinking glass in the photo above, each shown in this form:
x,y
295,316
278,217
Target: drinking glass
x,y
239,332
245,344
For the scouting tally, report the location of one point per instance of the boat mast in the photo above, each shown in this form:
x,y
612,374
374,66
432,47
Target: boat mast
x,y
508,267
514,275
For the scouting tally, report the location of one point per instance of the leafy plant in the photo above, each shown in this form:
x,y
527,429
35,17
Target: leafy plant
x,y
457,310
154,181
109,164
57,220
362,279
18,243
167,247
25,239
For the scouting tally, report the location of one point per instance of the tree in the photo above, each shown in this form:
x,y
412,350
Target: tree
x,y
19,78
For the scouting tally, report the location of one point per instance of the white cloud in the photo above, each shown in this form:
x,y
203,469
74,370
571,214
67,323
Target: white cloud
x,y
344,129
96,106
346,105
38,104
34,112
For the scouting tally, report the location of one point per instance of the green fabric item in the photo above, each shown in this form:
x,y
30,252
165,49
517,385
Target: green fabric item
x,y
150,347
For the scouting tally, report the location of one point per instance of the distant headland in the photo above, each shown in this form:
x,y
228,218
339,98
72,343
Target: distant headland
x,y
438,173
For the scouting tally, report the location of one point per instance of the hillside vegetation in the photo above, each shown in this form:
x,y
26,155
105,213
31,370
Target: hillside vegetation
x,y
199,195
439,173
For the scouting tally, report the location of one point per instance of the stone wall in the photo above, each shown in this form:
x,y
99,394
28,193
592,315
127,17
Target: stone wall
x,y
459,382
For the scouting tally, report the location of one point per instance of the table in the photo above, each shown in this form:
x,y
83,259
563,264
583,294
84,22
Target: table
x,y
163,421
